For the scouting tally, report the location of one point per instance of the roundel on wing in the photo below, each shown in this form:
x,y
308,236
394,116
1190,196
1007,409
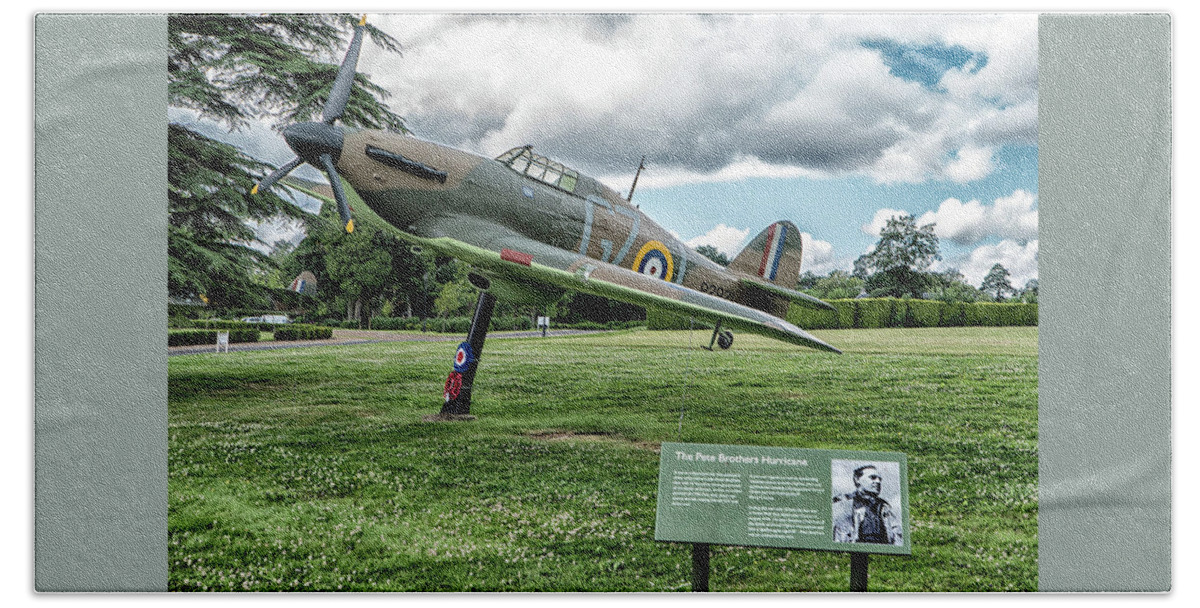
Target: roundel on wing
x,y
654,260
462,357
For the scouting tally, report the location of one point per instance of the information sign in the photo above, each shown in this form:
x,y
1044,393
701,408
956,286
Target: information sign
x,y
831,500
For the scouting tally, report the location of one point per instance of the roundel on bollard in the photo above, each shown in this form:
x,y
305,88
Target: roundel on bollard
x,y
654,260
462,357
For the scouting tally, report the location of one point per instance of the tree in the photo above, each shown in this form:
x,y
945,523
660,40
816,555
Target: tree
x,y
896,266
996,283
808,279
952,287
231,70
393,278
361,271
839,285
711,253
1030,293
457,296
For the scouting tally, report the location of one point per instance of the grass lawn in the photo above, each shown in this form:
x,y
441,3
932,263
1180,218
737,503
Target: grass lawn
x,y
311,469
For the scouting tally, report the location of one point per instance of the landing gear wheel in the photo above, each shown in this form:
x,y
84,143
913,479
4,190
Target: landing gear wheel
x,y
725,339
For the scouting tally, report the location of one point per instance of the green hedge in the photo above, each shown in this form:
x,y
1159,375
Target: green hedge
x,y
868,313
192,337
414,323
222,324
874,312
922,313
657,319
300,331
463,324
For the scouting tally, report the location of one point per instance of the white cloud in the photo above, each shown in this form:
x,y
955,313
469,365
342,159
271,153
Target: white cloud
x,y
715,97
969,164
1021,261
818,256
1010,217
739,169
726,239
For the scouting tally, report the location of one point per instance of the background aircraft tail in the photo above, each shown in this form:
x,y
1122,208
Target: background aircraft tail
x,y
773,255
304,283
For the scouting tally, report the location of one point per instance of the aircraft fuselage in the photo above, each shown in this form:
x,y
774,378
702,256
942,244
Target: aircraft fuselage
x,y
433,191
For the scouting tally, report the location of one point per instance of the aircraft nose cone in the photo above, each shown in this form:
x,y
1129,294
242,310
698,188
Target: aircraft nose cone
x,y
309,140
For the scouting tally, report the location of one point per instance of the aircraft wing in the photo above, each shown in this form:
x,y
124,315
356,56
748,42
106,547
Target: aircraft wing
x,y
610,281
598,278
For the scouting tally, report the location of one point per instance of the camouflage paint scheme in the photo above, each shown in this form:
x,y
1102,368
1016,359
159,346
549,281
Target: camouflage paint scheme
x,y
532,239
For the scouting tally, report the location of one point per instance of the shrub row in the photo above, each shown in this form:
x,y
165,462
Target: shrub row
x,y
192,337
595,325
657,319
435,324
463,324
870,313
221,324
299,331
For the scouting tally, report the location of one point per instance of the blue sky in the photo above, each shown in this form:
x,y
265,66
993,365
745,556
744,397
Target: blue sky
x,y
835,210
834,122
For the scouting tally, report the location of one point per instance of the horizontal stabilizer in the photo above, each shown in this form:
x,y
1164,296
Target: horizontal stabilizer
x,y
799,297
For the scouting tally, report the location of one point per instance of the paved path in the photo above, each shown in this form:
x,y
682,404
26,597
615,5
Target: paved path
x,y
366,336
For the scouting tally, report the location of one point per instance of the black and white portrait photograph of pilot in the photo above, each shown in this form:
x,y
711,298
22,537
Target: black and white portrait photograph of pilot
x,y
867,502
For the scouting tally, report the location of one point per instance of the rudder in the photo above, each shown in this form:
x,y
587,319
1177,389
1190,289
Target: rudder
x,y
774,255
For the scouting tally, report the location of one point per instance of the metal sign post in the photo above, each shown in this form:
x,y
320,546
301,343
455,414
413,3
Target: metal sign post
x,y
858,571
700,556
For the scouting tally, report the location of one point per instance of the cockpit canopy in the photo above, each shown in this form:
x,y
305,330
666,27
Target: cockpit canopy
x,y
523,160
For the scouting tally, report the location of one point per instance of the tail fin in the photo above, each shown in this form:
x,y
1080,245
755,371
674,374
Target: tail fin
x,y
773,255
304,283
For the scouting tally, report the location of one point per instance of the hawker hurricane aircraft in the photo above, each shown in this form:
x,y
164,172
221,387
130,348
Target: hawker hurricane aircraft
x,y
532,228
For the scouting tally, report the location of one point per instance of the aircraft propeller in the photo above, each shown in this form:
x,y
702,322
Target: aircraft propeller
x,y
320,143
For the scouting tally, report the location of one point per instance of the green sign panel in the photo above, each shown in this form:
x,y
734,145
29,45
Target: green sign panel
x,y
831,500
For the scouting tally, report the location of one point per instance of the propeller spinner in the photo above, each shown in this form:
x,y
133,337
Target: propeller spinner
x,y
320,143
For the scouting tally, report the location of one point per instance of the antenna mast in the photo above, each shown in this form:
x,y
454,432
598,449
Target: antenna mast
x,y
641,165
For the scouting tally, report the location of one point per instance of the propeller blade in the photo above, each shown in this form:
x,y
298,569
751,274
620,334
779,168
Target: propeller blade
x,y
339,195
340,94
276,176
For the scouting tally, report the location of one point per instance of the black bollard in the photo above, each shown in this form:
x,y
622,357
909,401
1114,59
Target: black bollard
x,y
458,385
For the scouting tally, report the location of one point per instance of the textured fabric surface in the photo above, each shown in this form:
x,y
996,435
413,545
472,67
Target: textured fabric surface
x,y
100,218
1104,361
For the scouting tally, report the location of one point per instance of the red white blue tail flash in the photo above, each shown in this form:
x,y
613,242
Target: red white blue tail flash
x,y
773,251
